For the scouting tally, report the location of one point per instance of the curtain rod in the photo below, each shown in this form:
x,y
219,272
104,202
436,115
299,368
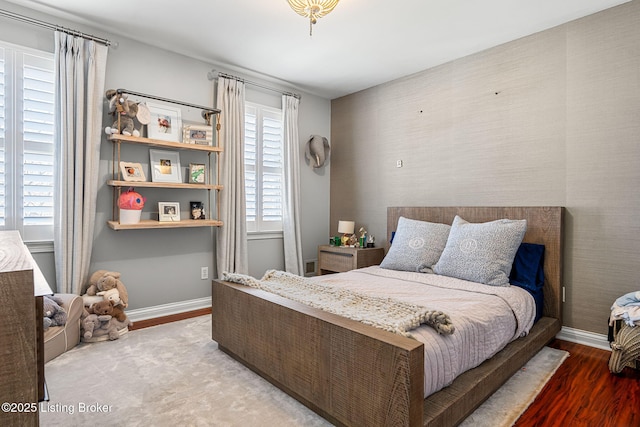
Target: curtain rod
x,y
229,76
54,27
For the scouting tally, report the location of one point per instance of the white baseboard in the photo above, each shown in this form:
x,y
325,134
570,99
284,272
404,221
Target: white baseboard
x,y
583,337
168,309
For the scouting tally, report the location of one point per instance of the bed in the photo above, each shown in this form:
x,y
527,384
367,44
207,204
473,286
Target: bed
x,y
354,374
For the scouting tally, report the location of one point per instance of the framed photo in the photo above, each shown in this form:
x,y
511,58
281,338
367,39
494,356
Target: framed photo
x,y
197,173
165,166
197,210
165,122
132,171
168,211
197,134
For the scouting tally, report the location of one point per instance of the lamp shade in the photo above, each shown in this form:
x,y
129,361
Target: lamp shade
x,y
346,227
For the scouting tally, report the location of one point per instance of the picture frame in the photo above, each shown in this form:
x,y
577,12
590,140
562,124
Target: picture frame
x,y
196,210
165,166
132,172
168,211
165,122
197,173
197,134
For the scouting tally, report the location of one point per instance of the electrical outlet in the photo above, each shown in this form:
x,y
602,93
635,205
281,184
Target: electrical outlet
x,y
398,163
204,273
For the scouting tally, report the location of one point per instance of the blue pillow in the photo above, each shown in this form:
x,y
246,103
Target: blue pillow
x,y
527,272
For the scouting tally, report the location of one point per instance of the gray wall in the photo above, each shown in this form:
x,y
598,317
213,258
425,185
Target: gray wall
x,y
163,266
550,119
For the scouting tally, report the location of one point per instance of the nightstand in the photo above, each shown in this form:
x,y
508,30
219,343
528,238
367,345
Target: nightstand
x,y
337,259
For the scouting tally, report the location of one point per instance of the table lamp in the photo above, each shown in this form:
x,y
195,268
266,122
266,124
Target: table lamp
x,y
346,228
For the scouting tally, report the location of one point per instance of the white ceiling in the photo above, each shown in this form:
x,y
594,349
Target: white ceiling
x,y
362,43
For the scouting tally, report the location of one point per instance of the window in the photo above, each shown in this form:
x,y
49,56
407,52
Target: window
x,y
263,160
26,142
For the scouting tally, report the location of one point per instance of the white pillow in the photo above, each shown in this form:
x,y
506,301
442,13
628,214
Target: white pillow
x,y
416,246
482,252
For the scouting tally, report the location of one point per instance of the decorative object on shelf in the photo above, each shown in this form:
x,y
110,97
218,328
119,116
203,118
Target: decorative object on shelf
x,y
165,122
346,228
363,237
197,134
132,171
317,151
197,210
197,173
165,166
371,241
130,203
144,115
312,9
123,112
168,211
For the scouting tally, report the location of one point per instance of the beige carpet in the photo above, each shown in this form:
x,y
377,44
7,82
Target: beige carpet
x,y
174,375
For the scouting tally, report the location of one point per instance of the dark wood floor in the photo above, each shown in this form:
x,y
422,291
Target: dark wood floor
x,y
584,393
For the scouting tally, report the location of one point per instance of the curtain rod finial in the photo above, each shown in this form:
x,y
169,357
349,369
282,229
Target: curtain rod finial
x,y
211,75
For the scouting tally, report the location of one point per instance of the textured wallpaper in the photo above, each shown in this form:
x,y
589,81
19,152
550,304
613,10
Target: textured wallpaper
x,y
550,119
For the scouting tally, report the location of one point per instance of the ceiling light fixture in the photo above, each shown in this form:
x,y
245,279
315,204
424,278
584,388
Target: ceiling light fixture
x,y
312,9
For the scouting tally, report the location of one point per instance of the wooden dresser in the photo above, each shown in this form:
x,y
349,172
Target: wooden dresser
x,y
21,335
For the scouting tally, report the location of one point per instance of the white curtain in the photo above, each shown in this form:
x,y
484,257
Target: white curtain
x,y
291,230
231,237
80,80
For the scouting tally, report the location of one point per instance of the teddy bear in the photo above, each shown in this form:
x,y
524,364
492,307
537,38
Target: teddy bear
x,y
54,314
103,318
124,111
105,307
111,295
103,280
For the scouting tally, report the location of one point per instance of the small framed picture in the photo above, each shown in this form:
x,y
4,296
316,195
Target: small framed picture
x,y
132,171
197,173
165,122
197,210
168,211
165,166
197,134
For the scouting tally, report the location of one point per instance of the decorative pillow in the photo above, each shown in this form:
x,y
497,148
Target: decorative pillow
x,y
416,246
527,272
482,252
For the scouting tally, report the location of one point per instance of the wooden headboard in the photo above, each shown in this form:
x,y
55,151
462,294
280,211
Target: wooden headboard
x,y
544,226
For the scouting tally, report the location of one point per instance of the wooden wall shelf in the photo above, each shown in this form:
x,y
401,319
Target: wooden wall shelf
x,y
148,184
149,223
164,144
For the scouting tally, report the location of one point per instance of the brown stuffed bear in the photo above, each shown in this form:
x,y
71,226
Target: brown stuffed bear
x,y
103,280
108,308
102,318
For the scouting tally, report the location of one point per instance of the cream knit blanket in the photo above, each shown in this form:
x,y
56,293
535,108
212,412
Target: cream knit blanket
x,y
385,313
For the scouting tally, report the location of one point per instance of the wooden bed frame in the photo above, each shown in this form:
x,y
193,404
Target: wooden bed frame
x,y
357,375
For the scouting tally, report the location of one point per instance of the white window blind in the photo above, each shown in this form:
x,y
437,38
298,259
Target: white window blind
x,y
26,142
263,159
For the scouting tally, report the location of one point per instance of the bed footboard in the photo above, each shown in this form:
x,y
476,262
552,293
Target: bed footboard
x,y
348,372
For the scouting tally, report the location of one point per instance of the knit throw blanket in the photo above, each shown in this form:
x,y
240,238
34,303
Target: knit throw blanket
x,y
385,313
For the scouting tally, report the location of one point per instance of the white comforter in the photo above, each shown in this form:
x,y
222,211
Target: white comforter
x,y
486,318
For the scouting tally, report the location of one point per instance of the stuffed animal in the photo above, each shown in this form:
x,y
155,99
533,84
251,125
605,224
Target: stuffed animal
x,y
94,325
124,111
105,307
101,319
103,280
110,295
54,314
